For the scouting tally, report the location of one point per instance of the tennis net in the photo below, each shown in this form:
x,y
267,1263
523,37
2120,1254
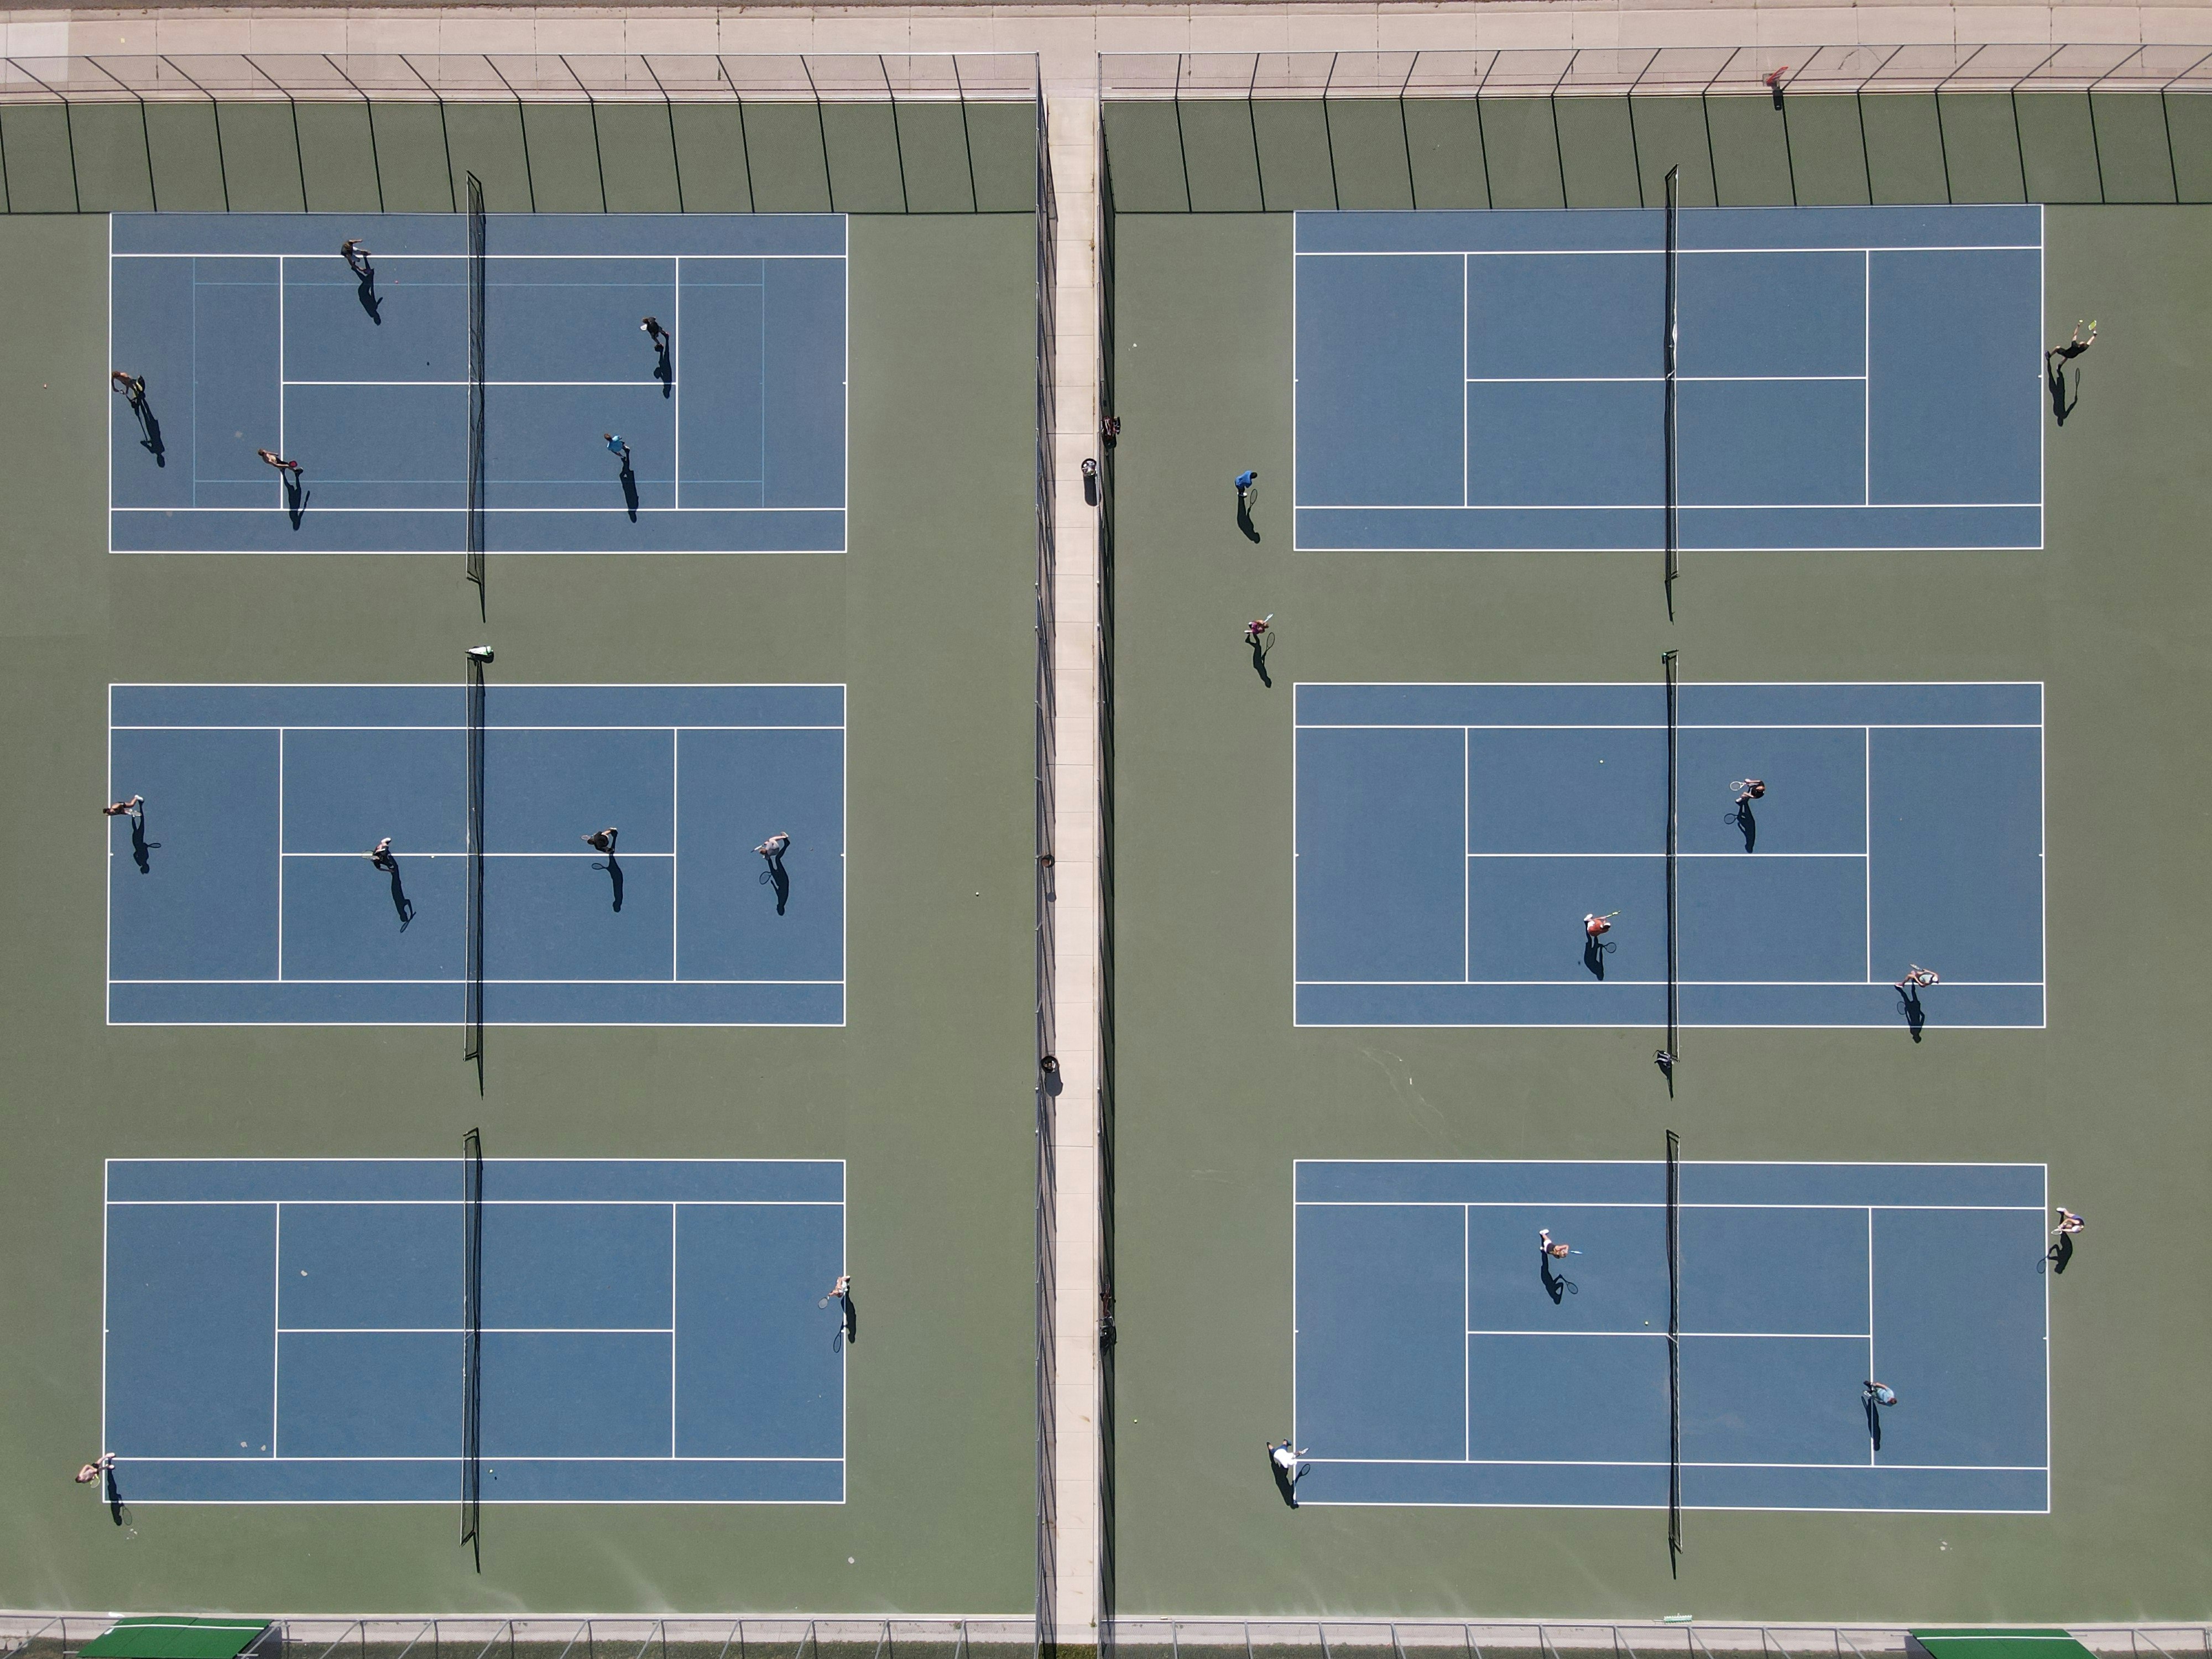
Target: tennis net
x,y
1674,513
1668,1055
1674,1349
473,532
473,926
471,1339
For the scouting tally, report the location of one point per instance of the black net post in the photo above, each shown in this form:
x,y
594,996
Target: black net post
x,y
1674,512
474,531
1674,1350
473,926
471,1341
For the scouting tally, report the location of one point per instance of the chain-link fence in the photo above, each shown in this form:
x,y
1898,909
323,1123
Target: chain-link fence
x,y
29,1636
1660,70
538,78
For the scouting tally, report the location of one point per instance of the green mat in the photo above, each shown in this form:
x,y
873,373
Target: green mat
x,y
1993,1644
177,1636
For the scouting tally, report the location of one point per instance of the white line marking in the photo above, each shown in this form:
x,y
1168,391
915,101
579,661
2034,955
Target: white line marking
x,y
276,1319
443,1330
1661,1336
280,852
1872,1373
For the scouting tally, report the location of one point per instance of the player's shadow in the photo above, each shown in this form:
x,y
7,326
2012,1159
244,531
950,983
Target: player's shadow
x,y
1286,1483
1747,825
1556,1285
366,293
848,1323
141,850
663,367
1244,499
2059,1254
2062,405
1261,647
149,433
295,498
118,1512
1595,952
1916,1017
777,877
402,906
1874,1418
614,878
629,488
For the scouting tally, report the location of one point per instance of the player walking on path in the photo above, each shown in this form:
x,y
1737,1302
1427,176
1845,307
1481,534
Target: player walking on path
x,y
133,808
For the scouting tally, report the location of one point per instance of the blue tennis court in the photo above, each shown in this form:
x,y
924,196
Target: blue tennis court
x,y
251,332
1443,1358
290,1330
1846,378
246,894
1451,840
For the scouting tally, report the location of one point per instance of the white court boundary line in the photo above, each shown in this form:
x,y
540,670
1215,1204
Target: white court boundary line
x,y
842,727
1864,249
1467,1207
842,1204
2039,726
842,257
